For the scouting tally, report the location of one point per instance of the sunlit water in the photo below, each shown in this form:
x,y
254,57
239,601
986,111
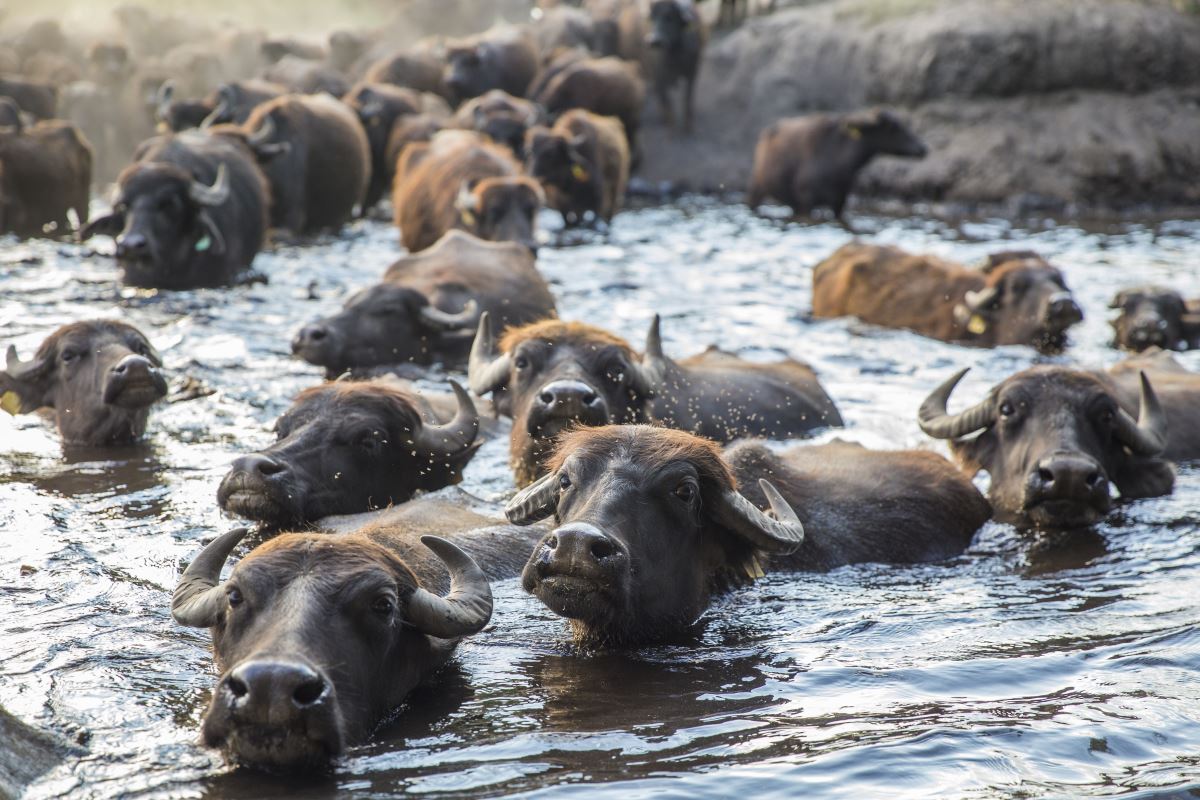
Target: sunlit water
x,y
1026,668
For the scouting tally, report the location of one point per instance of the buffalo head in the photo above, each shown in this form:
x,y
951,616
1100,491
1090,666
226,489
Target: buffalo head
x,y
550,376
1023,301
1053,440
100,377
345,448
500,209
318,637
1152,316
883,133
670,20
648,523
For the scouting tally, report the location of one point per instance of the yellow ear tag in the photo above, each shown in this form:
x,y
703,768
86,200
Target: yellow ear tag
x,y
11,402
976,324
853,132
579,173
467,217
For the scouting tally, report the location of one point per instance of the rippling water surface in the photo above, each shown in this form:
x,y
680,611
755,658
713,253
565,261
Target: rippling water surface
x,y
1026,668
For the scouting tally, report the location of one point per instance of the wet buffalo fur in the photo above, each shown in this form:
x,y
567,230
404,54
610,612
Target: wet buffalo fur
x,y
609,87
73,374
926,294
322,176
462,180
45,172
379,106
1177,389
153,201
582,163
382,324
811,162
857,505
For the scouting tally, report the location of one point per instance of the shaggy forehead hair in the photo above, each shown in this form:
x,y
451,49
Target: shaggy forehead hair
x,y
648,446
579,334
327,558
1045,379
87,328
387,399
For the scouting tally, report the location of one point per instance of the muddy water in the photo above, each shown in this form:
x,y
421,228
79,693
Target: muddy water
x,y
1025,668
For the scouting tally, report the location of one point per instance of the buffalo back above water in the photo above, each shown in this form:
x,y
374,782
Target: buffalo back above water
x,y
45,172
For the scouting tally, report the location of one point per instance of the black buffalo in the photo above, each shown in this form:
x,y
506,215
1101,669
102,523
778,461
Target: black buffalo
x,y
1154,316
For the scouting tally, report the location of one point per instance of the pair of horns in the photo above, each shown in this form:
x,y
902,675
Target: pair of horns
x,y
1146,436
199,600
782,534
214,195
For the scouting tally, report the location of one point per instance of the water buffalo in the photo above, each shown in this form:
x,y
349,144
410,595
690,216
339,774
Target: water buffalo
x,y
810,162
322,175
100,377
1177,390
1153,316
1017,298
190,211
428,305
462,180
45,173
676,41
552,375
302,76
318,637
1053,440
234,102
501,58
582,163
408,130
379,106
610,87
177,115
418,69
501,117
347,447
722,397
36,98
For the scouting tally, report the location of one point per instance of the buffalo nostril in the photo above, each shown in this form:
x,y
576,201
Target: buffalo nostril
x,y
552,543
546,398
590,398
309,692
602,548
237,687
1045,475
1095,480
268,467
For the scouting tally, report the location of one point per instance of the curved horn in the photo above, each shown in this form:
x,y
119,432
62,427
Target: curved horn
x,y
213,195
199,600
222,112
783,534
263,134
981,299
654,362
456,436
434,317
468,605
15,367
487,371
1147,436
938,423
535,502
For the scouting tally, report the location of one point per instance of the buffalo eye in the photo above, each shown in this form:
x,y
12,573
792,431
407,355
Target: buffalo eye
x,y
564,482
383,606
370,441
234,596
69,355
521,362
1006,409
685,491
1107,416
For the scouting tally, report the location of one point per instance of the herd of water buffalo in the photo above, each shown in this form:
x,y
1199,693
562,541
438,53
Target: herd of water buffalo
x,y
644,485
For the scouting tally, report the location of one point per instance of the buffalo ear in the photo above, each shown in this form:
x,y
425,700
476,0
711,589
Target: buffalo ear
x,y
974,454
107,225
24,386
1145,477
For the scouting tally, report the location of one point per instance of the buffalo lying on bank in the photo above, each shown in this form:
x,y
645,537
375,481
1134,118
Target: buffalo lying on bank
x,y
676,43
722,397
501,117
321,175
650,524
379,106
428,305
319,637
609,87
582,163
100,378
462,180
811,162
1153,316
1053,441
45,173
550,376
191,211
502,58
1177,391
1016,298
344,448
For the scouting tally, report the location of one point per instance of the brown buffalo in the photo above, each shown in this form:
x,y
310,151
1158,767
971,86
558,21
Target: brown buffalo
x,y
1017,298
303,76
1153,316
428,305
346,447
811,162
1178,393
501,58
550,376
501,117
45,173
379,106
234,102
1053,440
100,378
582,163
322,175
408,130
610,87
419,69
676,44
462,180
650,523
318,637
173,114
722,397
